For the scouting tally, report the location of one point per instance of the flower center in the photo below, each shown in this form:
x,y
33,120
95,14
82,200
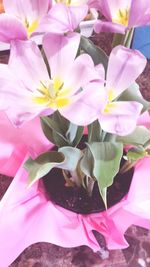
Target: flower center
x,y
52,94
31,26
66,2
110,104
69,2
121,17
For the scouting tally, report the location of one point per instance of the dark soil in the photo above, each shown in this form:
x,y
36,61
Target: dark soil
x,y
77,200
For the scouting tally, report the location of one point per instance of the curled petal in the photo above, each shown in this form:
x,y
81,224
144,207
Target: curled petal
x,y
26,57
110,8
107,26
11,28
121,117
137,8
60,49
81,72
87,106
124,66
33,9
62,19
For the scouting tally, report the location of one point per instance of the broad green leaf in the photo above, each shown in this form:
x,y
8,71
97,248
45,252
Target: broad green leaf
x,y
107,157
97,54
42,165
72,156
133,94
74,134
139,136
94,132
66,158
87,163
60,131
136,153
53,130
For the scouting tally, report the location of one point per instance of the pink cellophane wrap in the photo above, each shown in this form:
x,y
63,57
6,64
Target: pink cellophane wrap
x,y
15,142
28,216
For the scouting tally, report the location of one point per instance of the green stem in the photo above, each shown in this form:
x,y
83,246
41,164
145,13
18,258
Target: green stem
x,y
128,38
117,39
125,39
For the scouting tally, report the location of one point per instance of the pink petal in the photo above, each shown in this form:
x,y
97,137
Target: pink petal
x,y
121,119
87,105
137,8
11,29
61,52
81,72
109,8
101,72
93,4
124,66
25,109
62,19
106,26
33,9
26,57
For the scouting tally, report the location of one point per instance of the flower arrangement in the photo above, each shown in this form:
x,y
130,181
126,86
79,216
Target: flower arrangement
x,y
79,94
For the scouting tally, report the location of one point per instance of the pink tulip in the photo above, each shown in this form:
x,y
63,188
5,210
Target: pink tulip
x,y
22,18
31,92
125,65
123,14
63,18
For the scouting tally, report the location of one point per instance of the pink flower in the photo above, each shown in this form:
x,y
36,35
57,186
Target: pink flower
x,y
122,15
63,18
22,18
28,91
125,65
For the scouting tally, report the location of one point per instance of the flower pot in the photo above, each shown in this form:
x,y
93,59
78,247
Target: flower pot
x,y
77,199
28,216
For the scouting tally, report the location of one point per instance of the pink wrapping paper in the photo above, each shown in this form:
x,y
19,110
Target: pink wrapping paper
x,y
28,216
15,142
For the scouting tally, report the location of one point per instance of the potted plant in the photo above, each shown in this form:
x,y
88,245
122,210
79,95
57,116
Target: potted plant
x,y
77,142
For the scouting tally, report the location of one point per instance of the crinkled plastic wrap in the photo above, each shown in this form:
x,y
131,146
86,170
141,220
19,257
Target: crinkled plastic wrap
x,y
27,216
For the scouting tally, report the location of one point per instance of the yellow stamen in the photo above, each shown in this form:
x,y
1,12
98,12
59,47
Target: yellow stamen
x,y
111,95
66,2
31,27
108,107
52,94
121,17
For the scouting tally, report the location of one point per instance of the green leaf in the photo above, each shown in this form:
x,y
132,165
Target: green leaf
x,y
74,134
94,132
60,131
87,163
107,157
133,94
53,130
42,165
66,158
97,54
139,136
136,153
